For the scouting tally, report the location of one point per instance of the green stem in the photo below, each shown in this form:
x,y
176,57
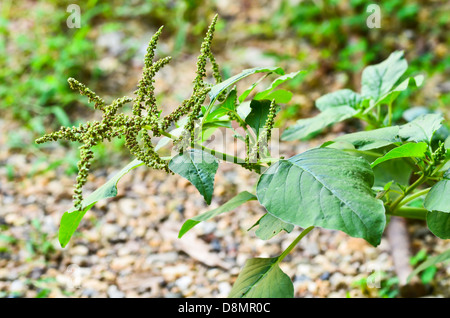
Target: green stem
x,y
390,114
439,167
167,134
410,213
411,188
215,153
413,197
294,243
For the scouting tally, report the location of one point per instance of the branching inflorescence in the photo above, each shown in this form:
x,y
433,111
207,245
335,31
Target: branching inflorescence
x,y
145,115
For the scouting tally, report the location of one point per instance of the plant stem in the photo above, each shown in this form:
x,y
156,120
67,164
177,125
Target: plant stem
x,y
410,213
294,243
223,156
162,132
418,182
390,114
413,197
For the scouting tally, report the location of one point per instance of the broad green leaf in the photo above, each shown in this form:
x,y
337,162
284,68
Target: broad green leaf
x,y
372,139
422,128
216,124
396,171
218,88
72,218
438,199
377,80
230,205
281,96
305,128
229,105
278,81
244,109
269,226
247,92
262,278
393,94
439,223
343,97
416,150
199,167
327,188
259,110
431,261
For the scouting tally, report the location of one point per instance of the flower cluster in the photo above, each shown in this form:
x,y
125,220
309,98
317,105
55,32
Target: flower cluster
x,y
145,115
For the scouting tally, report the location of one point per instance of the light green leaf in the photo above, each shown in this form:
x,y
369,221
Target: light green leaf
x,y
72,218
439,223
278,81
305,128
218,88
447,143
229,105
431,261
199,168
230,205
438,197
262,278
372,139
244,109
377,80
269,226
393,94
216,124
281,96
343,97
327,188
416,150
422,128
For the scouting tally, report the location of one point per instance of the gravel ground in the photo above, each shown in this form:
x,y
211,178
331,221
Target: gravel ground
x,y
128,246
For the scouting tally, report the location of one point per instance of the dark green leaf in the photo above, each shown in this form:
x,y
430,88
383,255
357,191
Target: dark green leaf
x,y
258,115
72,218
262,278
439,223
199,168
396,171
327,188
230,205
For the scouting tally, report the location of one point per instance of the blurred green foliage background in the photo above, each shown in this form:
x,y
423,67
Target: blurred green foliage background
x,y
329,38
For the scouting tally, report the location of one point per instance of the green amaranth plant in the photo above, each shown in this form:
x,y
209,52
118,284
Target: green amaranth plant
x,y
353,183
